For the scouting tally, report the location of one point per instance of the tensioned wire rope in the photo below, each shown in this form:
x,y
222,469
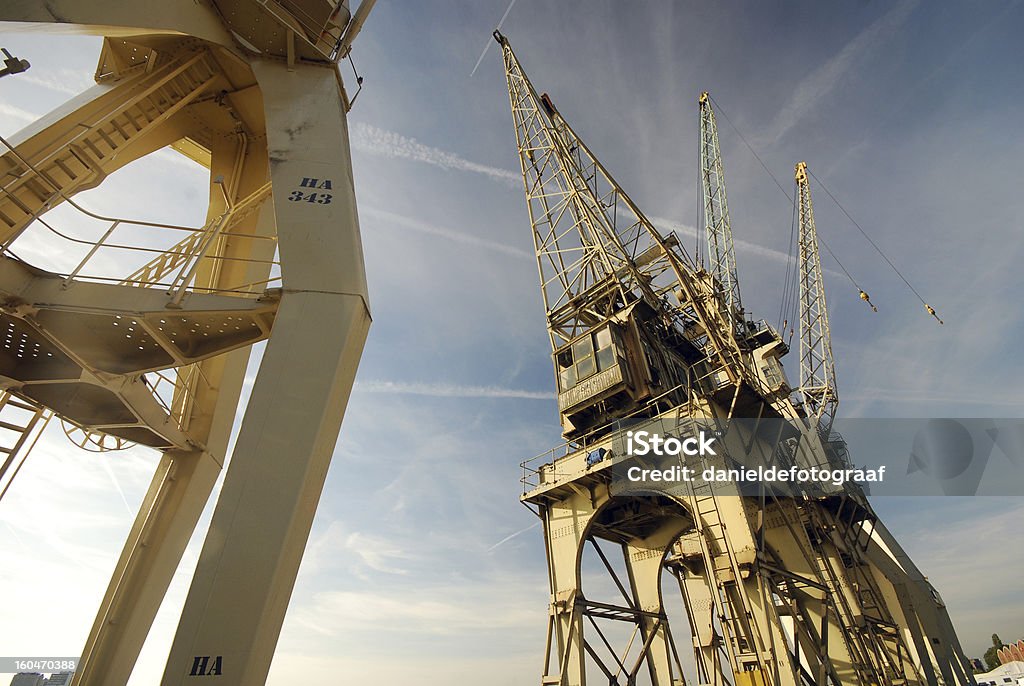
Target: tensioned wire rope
x,y
789,287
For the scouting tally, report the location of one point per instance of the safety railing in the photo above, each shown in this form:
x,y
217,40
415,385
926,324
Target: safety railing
x,y
542,468
175,390
322,29
159,255
176,258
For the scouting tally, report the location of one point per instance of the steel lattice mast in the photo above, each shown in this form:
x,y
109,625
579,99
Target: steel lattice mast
x,y
817,368
717,227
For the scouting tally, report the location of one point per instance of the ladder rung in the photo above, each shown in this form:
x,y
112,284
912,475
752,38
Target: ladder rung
x,y
12,427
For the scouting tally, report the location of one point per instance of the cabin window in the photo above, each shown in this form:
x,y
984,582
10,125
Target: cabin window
x,y
772,374
586,356
583,356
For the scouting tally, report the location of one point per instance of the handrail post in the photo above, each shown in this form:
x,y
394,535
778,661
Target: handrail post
x,y
95,247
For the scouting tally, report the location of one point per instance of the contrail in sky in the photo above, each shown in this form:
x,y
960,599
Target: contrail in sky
x,y
379,141
511,536
823,80
117,485
442,232
17,113
488,43
441,390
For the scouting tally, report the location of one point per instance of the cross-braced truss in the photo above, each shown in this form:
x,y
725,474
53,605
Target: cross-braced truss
x,y
717,226
817,368
596,251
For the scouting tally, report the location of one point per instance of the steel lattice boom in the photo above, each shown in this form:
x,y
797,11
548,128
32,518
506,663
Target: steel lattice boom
x,y
817,368
717,227
596,251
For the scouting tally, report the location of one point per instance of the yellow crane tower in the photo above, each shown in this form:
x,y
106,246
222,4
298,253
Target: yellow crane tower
x,y
781,587
147,338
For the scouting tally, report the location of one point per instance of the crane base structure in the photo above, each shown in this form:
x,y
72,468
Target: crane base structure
x,y
780,588
146,340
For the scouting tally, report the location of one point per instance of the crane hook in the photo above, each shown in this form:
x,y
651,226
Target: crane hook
x,y
867,298
931,311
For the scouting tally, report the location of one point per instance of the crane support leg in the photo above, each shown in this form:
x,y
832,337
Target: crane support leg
x,y
644,559
698,600
168,515
565,526
184,480
580,638
246,572
805,559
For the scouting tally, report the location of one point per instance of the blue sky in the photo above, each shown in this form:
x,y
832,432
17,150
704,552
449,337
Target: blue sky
x,y
909,112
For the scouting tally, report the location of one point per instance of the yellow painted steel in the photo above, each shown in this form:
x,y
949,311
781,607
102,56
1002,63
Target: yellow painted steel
x,y
252,91
780,589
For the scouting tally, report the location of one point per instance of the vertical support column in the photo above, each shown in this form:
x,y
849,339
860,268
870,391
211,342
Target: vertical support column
x,y
183,481
644,559
699,602
565,524
238,598
793,557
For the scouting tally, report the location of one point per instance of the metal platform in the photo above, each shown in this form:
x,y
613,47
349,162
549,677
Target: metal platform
x,y
89,362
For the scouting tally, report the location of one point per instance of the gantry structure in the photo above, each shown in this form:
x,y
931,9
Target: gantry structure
x,y
140,332
779,588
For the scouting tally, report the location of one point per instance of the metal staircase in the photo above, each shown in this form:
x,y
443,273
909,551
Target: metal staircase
x,y
21,423
30,186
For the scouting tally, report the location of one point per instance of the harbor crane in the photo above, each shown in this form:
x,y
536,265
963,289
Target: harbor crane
x,y
779,589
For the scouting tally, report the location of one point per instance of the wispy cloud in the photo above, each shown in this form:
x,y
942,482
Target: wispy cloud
x,y
377,141
67,81
742,246
950,553
386,610
388,143
819,83
747,246
442,390
172,156
441,232
17,113
931,397
363,554
451,611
